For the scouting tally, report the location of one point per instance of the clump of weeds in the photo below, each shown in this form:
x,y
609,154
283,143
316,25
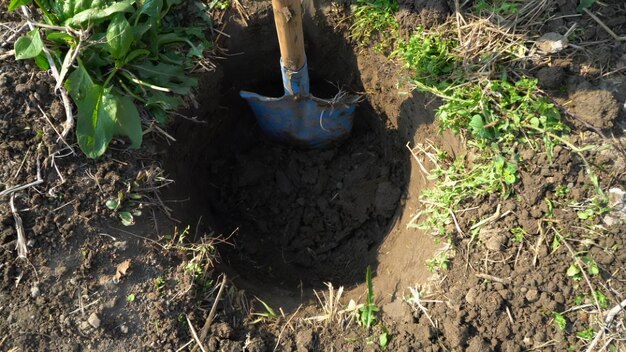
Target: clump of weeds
x,y
375,20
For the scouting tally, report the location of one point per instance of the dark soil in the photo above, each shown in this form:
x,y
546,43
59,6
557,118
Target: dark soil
x,y
300,218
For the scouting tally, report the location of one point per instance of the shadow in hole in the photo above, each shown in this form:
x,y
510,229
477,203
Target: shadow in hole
x,y
299,218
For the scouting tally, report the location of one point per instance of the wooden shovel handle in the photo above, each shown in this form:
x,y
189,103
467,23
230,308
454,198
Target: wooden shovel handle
x,y
288,18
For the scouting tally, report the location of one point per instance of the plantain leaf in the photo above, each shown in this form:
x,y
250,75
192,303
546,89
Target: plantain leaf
x,y
94,14
584,4
97,109
119,36
14,4
128,122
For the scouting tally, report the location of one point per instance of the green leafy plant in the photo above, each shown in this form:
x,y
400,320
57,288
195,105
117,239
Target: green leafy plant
x,y
439,261
584,4
375,18
367,313
127,205
113,54
603,301
574,272
596,208
130,298
592,266
429,57
159,283
518,234
268,314
559,320
383,339
586,334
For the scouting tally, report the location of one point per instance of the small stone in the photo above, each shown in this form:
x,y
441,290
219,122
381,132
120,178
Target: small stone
x,y
34,291
120,245
124,329
616,197
551,43
532,295
609,220
84,326
93,320
495,242
471,296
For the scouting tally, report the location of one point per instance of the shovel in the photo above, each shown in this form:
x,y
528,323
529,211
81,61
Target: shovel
x,y
298,118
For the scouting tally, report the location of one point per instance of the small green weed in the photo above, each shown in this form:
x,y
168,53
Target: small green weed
x,y
383,339
131,298
439,262
596,208
429,57
367,313
574,271
159,283
200,255
518,234
268,314
559,320
127,205
586,335
601,298
375,18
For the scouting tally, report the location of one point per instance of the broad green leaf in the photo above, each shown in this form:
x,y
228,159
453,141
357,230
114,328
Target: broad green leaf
x,y
559,320
477,125
584,4
164,101
128,121
14,4
119,36
171,77
29,45
42,61
140,29
135,54
61,37
573,270
112,204
152,8
126,218
97,109
94,14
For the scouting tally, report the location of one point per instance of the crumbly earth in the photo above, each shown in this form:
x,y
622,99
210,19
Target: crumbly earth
x,y
90,283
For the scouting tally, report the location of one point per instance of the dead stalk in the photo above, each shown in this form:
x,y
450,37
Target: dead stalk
x,y
211,316
22,250
194,335
69,117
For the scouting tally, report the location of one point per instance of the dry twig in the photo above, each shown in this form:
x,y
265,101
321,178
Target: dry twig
x,y
22,250
211,316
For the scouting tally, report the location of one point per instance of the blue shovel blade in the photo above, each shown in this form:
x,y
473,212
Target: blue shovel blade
x,y
304,121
